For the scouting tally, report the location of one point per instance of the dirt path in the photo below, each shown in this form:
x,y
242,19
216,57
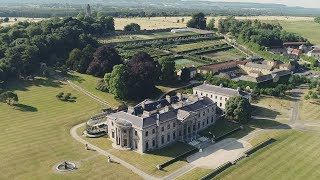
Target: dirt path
x,y
87,93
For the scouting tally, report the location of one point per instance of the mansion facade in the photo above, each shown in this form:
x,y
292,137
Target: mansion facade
x,y
155,124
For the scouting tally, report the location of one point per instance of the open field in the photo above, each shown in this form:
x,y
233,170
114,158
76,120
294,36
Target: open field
x,y
228,55
145,162
89,83
35,135
272,107
195,46
294,155
307,29
180,63
20,19
152,23
309,110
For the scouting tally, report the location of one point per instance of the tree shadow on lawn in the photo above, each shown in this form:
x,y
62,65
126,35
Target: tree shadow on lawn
x,y
23,85
255,124
25,108
71,76
264,112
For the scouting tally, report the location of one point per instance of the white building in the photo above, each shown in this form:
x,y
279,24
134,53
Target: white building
x,y
219,94
314,53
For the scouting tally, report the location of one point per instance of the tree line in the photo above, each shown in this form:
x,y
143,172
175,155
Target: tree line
x,y
25,45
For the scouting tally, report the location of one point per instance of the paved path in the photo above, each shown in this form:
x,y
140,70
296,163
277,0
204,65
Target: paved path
x,y
80,89
74,134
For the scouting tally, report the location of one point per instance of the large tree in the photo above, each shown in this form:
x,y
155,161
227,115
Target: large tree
x,y
211,24
198,21
185,74
132,27
74,58
117,81
143,72
9,97
86,58
168,69
238,109
104,59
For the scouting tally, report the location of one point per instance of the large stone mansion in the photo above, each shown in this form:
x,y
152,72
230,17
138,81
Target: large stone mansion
x,y
156,124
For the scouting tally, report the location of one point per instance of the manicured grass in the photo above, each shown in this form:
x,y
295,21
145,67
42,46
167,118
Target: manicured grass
x,y
35,136
146,162
295,155
309,110
195,46
89,83
195,173
228,55
272,107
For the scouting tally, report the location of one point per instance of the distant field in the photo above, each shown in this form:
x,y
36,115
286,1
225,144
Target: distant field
x,y
152,23
228,55
180,63
272,107
307,29
20,19
295,155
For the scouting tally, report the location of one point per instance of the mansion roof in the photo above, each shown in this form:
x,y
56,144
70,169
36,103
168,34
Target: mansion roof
x,y
180,113
221,90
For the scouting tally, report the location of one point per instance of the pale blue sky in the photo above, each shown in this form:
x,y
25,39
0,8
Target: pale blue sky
x,y
303,3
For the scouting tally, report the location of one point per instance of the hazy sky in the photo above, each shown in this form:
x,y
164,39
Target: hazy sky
x,y
303,3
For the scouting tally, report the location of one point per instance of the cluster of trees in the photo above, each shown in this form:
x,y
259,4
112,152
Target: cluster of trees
x,y
313,61
24,45
132,27
65,97
199,21
263,34
313,95
238,109
317,20
9,98
136,78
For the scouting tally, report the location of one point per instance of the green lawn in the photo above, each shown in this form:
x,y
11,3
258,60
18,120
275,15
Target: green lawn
x,y
35,136
195,173
307,29
145,162
272,107
195,46
295,155
309,110
89,83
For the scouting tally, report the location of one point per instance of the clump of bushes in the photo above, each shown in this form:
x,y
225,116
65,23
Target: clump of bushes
x,y
65,97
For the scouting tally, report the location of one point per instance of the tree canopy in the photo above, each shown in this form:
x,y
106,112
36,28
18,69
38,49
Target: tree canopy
x,y
143,72
104,59
198,21
238,109
168,69
132,27
117,81
9,97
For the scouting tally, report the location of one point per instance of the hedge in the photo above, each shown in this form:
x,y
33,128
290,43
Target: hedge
x,y
260,146
171,161
217,171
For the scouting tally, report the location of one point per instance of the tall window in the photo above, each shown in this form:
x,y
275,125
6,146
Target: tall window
x,y
162,139
168,137
168,126
174,125
153,131
153,143
147,145
147,133
174,135
162,128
